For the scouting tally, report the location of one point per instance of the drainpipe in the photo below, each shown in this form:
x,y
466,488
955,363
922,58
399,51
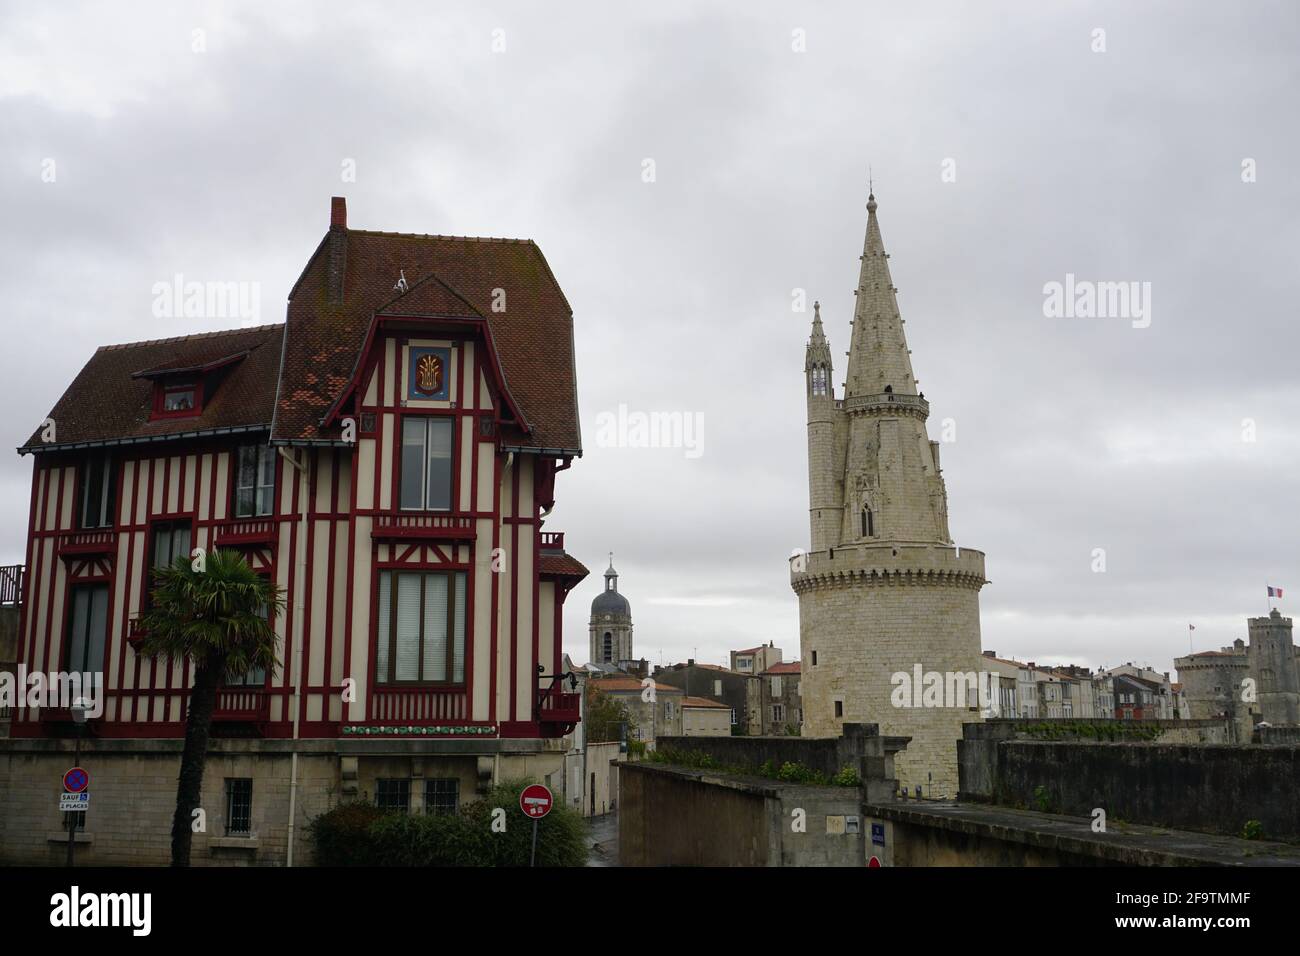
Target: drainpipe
x,y
300,588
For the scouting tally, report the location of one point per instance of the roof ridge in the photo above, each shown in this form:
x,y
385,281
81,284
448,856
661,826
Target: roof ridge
x,y
429,235
189,338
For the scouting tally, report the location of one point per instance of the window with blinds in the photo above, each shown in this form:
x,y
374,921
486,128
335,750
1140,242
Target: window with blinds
x,y
421,635
87,628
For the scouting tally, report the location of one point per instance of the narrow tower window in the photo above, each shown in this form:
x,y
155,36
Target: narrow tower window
x,y
868,523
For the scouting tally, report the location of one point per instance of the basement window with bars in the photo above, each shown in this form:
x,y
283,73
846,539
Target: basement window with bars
x,y
239,806
393,794
441,796
421,638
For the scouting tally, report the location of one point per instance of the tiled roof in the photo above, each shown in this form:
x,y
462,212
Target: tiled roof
x,y
564,565
789,667
630,684
702,702
288,377
447,276
110,402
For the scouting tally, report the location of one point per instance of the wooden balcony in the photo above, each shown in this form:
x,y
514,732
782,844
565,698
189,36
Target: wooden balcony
x,y
247,704
83,543
418,705
421,524
244,532
11,584
558,713
552,540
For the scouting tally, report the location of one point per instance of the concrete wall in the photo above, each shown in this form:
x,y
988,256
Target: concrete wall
x,y
1214,788
133,792
860,748
672,816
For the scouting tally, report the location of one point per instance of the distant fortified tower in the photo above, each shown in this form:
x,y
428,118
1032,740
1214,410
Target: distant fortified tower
x,y
611,623
883,590
1272,662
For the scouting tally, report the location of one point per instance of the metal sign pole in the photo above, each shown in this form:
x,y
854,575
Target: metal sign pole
x,y
72,817
532,861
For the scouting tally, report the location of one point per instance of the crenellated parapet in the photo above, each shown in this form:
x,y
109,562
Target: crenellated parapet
x,y
888,565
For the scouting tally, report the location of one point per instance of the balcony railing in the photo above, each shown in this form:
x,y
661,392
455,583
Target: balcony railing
x,y
11,585
250,704
552,540
88,542
402,524
245,531
414,705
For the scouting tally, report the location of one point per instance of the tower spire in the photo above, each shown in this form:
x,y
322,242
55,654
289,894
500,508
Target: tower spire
x,y
879,360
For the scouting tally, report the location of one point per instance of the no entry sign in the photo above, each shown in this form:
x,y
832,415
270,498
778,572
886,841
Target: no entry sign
x,y
535,801
76,780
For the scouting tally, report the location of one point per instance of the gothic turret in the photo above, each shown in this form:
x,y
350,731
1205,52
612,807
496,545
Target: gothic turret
x,y
883,590
825,501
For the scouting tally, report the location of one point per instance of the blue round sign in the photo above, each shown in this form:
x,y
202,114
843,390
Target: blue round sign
x,y
76,780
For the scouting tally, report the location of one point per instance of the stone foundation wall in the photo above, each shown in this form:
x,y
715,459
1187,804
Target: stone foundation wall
x,y
133,793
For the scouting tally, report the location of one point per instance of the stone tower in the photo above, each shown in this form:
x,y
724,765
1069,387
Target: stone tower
x,y
1272,659
883,589
611,623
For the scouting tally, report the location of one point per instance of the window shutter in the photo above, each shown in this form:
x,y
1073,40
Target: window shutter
x,y
413,438
407,665
435,627
458,660
77,639
440,433
385,615
98,628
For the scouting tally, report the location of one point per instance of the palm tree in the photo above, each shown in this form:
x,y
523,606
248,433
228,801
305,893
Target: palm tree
x,y
216,613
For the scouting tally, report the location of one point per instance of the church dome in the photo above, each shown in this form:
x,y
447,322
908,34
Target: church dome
x,y
609,601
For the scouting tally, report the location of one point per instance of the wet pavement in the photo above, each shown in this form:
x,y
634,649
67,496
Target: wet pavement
x,y
602,840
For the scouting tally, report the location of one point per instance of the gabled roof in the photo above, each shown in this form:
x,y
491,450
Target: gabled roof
x,y
451,277
111,399
789,667
620,684
702,702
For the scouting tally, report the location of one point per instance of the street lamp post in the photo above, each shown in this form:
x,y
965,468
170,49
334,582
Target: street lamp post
x,y
78,721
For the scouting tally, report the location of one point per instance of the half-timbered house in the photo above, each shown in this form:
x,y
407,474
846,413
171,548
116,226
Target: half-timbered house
x,y
388,456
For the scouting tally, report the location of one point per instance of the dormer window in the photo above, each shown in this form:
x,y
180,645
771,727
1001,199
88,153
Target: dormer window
x,y
181,388
177,400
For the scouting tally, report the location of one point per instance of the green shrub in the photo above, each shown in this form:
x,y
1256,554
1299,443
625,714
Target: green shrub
x,y
1253,830
341,836
847,777
358,834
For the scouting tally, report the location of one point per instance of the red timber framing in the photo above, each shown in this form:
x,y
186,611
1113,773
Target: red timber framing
x,y
336,525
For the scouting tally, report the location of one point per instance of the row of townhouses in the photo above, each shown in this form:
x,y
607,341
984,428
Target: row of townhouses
x,y
1127,692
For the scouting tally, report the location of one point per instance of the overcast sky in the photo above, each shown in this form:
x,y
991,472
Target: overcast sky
x,y
1008,150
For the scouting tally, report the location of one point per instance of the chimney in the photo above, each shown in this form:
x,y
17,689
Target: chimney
x,y
338,247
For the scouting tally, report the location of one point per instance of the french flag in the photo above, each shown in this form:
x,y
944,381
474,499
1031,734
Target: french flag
x,y
1274,592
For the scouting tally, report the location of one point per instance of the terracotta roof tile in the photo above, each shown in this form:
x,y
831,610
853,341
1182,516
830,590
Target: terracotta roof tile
x,y
448,276
702,702
109,402
789,667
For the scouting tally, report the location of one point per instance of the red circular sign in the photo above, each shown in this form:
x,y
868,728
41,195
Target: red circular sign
x,y
76,780
535,801
873,863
